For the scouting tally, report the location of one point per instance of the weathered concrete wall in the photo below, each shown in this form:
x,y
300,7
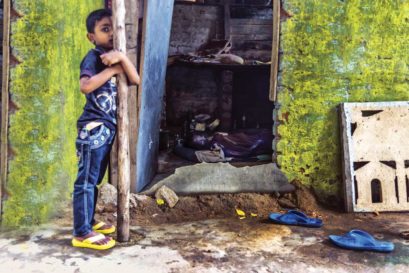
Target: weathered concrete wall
x,y
335,51
193,26
251,30
49,40
190,89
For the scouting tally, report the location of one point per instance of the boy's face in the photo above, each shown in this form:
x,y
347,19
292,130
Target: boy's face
x,y
103,33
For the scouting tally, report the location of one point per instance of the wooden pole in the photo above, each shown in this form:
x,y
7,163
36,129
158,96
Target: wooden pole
x,y
123,127
132,44
5,100
275,49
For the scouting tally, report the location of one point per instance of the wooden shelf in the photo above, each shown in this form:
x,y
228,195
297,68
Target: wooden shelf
x,y
184,2
221,65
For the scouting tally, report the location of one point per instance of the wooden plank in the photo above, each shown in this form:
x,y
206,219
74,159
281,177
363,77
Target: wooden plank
x,y
275,49
250,54
132,25
252,37
249,44
250,29
113,157
5,101
155,40
123,127
239,22
250,12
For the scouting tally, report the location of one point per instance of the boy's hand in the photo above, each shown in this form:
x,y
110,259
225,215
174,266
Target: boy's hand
x,y
112,57
118,58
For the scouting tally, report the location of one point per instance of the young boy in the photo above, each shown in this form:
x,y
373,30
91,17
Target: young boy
x,y
97,127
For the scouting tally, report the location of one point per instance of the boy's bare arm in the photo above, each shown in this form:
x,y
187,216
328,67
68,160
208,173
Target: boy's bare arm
x,y
88,85
114,57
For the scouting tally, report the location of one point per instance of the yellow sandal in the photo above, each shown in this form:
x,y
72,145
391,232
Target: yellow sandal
x,y
90,242
97,227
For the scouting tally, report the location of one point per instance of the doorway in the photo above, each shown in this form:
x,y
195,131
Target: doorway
x,y
215,103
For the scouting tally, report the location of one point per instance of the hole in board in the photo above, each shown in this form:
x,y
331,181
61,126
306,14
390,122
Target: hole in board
x,y
376,190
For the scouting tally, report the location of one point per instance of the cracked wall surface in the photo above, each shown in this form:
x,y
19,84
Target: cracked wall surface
x,y
49,41
335,51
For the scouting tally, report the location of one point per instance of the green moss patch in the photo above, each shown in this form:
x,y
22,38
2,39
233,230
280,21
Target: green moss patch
x,y
335,51
49,41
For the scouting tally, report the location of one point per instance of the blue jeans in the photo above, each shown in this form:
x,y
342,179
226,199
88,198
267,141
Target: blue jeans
x,y
93,148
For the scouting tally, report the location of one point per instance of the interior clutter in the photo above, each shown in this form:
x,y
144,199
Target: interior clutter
x,y
216,104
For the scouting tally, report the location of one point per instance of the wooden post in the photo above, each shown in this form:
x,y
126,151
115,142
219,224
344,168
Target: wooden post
x,y
133,15
275,49
5,100
113,157
123,127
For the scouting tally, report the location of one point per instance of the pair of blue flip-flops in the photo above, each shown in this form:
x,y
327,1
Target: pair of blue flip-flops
x,y
360,240
354,239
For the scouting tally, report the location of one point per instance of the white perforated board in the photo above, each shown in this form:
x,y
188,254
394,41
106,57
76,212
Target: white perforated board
x,y
375,138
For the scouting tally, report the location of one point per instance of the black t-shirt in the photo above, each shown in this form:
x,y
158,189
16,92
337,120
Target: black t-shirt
x,y
101,105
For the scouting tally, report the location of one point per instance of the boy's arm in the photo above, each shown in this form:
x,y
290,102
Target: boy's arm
x,y
89,84
114,57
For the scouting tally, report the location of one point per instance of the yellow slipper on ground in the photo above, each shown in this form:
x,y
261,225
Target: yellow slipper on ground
x,y
90,242
98,228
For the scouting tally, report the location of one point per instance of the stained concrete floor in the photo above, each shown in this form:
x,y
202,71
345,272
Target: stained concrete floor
x,y
218,245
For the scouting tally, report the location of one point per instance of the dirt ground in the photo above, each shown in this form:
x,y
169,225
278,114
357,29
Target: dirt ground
x,y
145,210
320,254
205,234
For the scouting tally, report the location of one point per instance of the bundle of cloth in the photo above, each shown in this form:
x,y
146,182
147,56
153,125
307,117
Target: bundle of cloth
x,y
204,145
243,143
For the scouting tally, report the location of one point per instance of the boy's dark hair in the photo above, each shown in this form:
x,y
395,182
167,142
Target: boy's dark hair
x,y
95,16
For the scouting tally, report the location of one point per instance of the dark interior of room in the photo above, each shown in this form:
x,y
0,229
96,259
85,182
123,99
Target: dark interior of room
x,y
218,104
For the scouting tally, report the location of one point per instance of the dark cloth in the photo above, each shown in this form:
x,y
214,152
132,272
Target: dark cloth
x,y
93,149
101,105
244,143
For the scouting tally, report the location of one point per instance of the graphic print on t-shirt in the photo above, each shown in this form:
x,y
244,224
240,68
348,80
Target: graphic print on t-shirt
x,y
107,101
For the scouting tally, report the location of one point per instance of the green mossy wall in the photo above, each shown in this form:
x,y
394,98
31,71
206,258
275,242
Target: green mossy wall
x,y
49,40
335,51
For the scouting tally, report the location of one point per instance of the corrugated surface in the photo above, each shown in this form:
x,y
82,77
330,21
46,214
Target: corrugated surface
x,y
50,42
335,51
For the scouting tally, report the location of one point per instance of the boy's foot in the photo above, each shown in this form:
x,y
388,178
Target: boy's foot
x,y
103,228
94,240
405,235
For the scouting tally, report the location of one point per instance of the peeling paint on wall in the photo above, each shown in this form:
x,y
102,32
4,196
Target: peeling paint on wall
x,y
335,51
49,40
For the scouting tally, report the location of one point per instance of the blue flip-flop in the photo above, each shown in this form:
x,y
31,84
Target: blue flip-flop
x,y
360,240
296,218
